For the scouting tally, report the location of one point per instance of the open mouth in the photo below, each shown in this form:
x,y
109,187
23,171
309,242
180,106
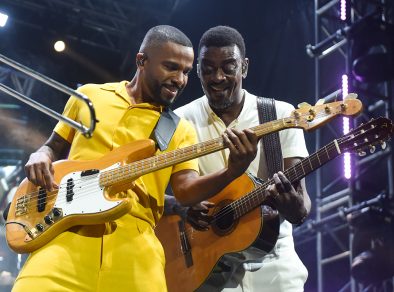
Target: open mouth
x,y
172,90
218,88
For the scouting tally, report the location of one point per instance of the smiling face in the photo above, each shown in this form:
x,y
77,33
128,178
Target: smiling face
x,y
220,72
165,71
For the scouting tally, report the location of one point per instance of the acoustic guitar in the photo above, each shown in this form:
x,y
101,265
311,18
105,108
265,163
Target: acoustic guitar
x,y
87,189
191,255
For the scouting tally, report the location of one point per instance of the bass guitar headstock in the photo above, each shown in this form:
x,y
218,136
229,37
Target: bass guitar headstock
x,y
310,117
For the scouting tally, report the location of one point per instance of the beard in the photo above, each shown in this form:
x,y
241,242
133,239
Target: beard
x,y
220,104
155,89
224,101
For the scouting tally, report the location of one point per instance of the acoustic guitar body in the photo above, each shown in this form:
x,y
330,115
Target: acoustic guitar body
x,y
192,255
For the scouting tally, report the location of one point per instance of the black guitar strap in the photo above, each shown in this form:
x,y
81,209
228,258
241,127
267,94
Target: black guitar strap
x,y
271,161
165,128
271,151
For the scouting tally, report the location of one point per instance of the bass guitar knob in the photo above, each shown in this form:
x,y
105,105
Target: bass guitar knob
x,y
56,212
48,219
40,227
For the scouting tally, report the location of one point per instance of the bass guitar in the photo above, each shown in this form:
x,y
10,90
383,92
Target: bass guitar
x,y
191,255
87,189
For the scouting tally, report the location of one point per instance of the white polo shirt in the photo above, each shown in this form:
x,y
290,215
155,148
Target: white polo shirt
x,y
209,126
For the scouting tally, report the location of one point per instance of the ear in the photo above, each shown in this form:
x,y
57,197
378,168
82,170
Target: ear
x,y
245,67
140,59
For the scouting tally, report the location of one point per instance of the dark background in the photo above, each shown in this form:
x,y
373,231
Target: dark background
x,y
103,38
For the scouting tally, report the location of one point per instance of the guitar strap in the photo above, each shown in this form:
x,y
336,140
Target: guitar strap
x,y
271,161
271,151
165,128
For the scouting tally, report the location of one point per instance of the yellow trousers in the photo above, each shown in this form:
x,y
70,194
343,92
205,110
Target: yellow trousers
x,y
130,258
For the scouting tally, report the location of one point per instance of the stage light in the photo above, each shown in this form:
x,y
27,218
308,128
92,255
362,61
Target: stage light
x,y
343,9
345,92
346,127
373,241
59,46
3,19
374,67
347,166
372,52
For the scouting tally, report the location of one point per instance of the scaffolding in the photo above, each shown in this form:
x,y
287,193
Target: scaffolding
x,y
340,28
10,157
100,23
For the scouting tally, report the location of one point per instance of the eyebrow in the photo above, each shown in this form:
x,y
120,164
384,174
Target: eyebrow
x,y
175,64
226,61
172,63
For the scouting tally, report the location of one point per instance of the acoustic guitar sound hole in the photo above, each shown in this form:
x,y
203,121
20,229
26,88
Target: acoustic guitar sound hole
x,y
224,219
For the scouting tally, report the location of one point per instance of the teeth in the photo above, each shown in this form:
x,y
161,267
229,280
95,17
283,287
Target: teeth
x,y
172,89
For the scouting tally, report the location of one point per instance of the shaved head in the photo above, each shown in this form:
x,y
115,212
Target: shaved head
x,y
161,34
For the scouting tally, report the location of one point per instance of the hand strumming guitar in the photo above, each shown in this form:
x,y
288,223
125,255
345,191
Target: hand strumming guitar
x,y
196,215
39,169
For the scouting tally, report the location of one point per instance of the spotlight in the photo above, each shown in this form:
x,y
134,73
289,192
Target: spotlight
x,y
373,265
59,46
373,53
373,240
3,19
374,67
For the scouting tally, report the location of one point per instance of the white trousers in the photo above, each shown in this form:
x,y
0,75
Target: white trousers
x,y
281,270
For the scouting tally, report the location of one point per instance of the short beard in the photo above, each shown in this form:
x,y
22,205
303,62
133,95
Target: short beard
x,y
157,97
222,104
225,104
165,102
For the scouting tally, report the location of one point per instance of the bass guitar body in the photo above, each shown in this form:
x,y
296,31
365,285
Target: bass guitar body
x,y
37,215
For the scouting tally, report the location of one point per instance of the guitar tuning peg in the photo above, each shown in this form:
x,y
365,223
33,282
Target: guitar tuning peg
x,y
361,153
320,101
351,96
303,105
372,149
383,145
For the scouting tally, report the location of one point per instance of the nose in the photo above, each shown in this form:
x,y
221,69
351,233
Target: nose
x,y
219,75
179,79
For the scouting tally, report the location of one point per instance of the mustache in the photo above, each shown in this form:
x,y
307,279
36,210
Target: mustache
x,y
177,87
220,85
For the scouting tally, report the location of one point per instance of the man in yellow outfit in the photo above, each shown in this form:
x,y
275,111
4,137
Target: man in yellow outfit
x,y
125,255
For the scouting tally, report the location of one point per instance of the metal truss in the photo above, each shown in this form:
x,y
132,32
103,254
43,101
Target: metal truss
x,y
106,24
335,196
24,85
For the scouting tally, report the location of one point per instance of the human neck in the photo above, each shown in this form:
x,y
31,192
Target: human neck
x,y
134,90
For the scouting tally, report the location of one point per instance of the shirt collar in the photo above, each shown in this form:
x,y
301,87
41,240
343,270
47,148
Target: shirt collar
x,y
120,89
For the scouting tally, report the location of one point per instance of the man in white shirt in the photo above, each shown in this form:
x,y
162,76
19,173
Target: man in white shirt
x,y
221,67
